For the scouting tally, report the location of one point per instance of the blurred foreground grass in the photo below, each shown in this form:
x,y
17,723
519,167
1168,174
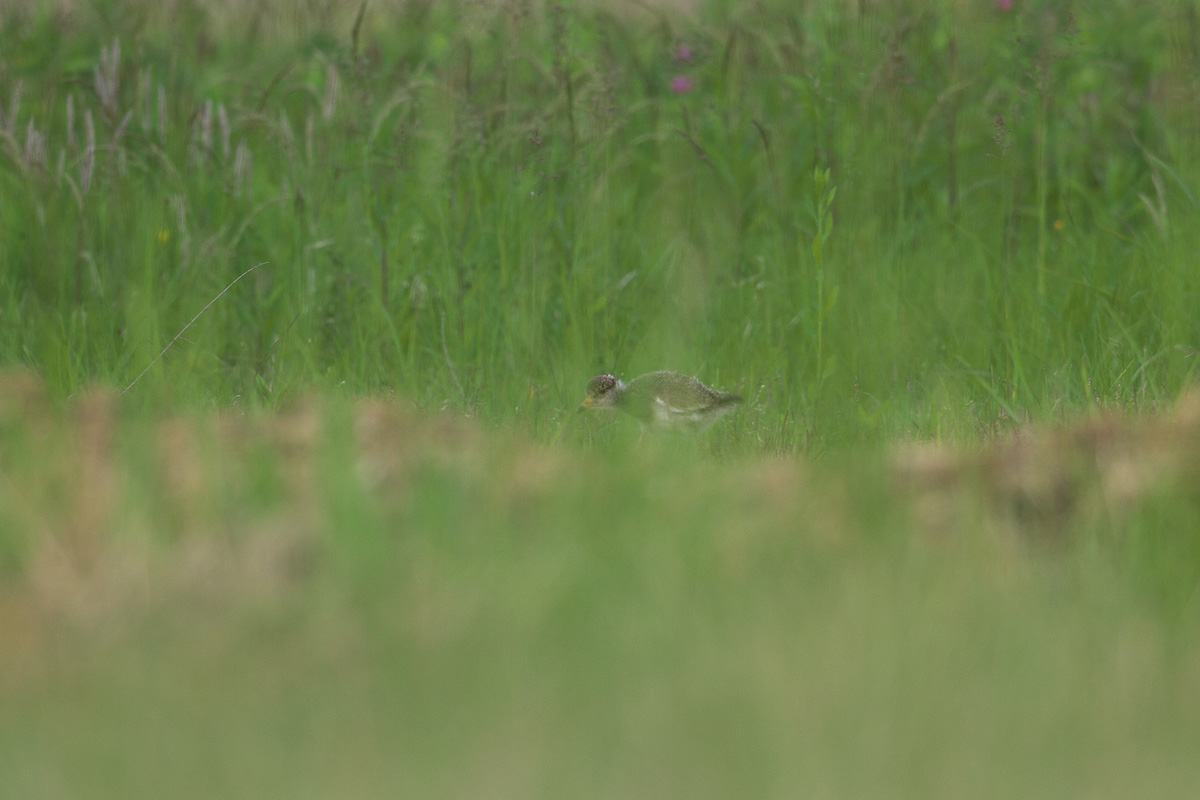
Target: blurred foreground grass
x,y
352,599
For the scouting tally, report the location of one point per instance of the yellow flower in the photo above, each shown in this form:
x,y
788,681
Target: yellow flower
x,y
163,236
1059,224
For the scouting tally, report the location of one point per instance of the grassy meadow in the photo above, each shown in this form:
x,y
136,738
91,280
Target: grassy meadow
x,y
345,535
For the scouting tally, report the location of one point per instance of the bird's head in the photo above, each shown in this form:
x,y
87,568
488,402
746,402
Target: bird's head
x,y
602,392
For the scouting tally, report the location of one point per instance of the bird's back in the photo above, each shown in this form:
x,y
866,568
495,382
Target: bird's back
x,y
673,399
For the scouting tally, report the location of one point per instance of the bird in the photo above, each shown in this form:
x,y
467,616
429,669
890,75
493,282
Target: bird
x,y
664,399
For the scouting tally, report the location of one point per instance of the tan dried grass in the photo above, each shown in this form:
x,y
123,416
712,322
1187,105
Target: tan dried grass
x,y
106,539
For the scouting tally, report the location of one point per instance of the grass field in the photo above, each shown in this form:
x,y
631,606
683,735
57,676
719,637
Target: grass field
x,y
346,537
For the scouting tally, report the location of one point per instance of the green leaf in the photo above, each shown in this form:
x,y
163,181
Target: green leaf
x,y
831,300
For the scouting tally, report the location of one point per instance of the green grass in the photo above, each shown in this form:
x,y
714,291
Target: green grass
x,y
479,209
898,229
365,600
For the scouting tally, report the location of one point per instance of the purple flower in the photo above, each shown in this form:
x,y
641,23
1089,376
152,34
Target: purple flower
x,y
1004,5
681,84
682,53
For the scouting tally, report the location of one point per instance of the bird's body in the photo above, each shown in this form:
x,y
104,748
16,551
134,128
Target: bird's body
x,y
663,399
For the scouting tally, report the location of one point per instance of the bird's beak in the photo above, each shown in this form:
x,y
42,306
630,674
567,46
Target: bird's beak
x,y
586,404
